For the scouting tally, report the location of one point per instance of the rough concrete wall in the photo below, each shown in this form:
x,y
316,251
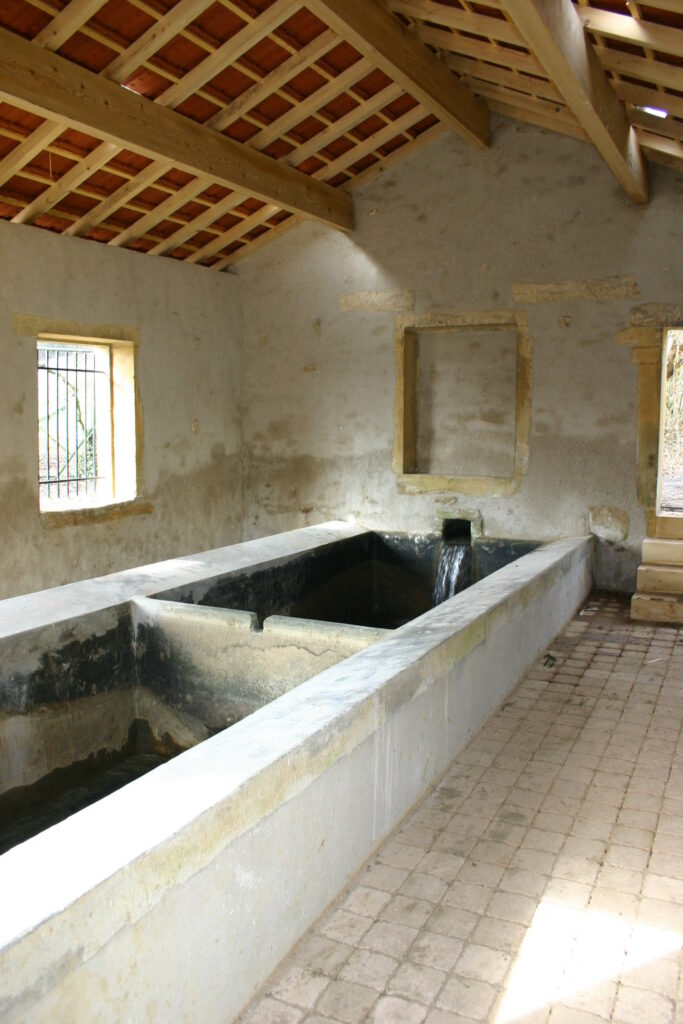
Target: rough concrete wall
x,y
458,228
189,323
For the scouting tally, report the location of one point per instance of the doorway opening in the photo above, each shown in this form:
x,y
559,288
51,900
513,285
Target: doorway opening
x,y
670,474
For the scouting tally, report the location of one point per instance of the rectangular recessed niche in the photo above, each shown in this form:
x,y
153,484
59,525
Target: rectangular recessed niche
x,y
466,384
463,402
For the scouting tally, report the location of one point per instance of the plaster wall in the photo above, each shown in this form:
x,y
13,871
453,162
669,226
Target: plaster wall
x,y
461,230
188,372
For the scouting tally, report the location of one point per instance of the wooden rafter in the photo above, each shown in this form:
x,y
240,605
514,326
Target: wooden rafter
x,y
456,18
668,152
121,67
626,29
254,74
121,196
159,213
383,164
252,96
59,29
204,220
553,30
272,82
373,31
67,22
667,75
299,111
50,86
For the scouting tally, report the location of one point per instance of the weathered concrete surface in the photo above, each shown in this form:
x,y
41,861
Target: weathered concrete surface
x,y
75,641
218,666
459,229
189,324
66,607
115,934
35,743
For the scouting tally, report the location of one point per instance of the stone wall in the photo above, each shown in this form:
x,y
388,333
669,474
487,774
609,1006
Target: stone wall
x,y
536,226
189,326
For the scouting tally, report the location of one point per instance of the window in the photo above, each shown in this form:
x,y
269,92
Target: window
x,y
86,423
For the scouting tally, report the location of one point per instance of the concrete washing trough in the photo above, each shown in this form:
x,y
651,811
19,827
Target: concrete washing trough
x,y
177,895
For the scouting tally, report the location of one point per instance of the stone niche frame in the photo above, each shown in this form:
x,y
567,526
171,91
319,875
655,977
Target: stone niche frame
x,y
406,349
647,352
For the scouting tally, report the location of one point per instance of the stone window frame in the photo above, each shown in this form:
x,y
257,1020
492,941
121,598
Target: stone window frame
x,y
123,343
406,351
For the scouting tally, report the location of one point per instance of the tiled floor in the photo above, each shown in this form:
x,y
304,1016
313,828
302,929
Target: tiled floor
x,y
541,881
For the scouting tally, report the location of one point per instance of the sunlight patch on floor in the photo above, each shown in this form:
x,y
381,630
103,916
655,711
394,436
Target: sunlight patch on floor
x,y
569,951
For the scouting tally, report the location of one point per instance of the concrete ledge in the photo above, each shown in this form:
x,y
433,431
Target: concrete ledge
x,y
72,641
102,593
218,666
177,896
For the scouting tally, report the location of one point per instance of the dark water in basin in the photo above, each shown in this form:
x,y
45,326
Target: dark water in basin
x,y
28,810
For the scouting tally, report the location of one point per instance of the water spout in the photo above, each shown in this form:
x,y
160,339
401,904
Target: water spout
x,y
452,571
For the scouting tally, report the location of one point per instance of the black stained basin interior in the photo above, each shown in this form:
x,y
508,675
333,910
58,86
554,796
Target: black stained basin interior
x,y
376,579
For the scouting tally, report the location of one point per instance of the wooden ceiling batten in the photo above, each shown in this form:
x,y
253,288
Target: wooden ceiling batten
x,y
228,53
642,96
457,18
667,152
345,124
374,32
342,164
204,220
384,163
315,101
156,36
67,22
49,85
122,195
554,32
667,75
526,111
309,54
66,183
175,94
25,151
626,29
274,80
504,56
60,28
474,72
241,229
159,168
371,144
336,90
174,202
79,11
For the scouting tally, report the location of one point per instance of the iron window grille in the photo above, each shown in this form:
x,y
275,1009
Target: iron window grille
x,y
74,423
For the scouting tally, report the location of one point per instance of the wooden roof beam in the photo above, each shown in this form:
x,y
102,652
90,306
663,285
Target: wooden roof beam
x,y
554,31
369,27
50,86
625,29
67,22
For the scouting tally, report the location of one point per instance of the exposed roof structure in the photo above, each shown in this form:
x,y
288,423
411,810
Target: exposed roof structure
x,y
202,129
